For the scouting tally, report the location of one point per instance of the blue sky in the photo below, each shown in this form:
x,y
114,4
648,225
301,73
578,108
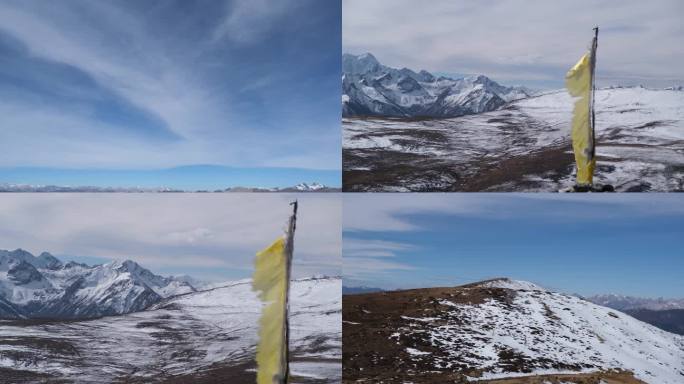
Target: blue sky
x,y
208,236
588,244
526,42
155,85
191,178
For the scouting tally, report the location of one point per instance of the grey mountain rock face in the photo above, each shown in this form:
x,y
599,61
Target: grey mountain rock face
x,y
23,273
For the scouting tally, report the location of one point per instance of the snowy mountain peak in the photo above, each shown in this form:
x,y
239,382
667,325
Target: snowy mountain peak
x,y
426,76
20,253
49,261
163,286
361,64
45,260
309,187
481,79
367,57
506,283
125,266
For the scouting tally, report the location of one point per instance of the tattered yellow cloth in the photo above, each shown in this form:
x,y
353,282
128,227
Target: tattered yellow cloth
x,y
579,83
270,280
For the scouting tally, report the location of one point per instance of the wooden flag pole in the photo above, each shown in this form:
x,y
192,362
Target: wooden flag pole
x,y
594,46
289,250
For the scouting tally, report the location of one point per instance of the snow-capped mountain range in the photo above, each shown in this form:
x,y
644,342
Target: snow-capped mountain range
x,y
301,187
372,89
44,287
501,329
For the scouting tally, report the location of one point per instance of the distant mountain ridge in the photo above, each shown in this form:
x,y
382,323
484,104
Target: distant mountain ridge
x,y
667,314
301,187
372,89
44,287
347,290
623,303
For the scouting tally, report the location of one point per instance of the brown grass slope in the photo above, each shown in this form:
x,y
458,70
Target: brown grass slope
x,y
371,355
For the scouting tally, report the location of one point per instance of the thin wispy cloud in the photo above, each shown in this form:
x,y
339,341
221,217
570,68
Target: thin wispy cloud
x,y
530,42
364,259
208,236
144,85
373,248
247,21
369,270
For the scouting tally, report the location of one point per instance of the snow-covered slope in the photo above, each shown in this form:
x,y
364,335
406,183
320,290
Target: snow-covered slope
x,y
372,89
510,284
508,328
191,338
44,287
557,331
524,146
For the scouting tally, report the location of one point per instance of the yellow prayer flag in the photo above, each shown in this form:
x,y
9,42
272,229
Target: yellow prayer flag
x,y
270,280
579,84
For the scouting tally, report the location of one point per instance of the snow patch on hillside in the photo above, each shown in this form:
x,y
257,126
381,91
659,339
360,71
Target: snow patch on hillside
x,y
552,333
511,284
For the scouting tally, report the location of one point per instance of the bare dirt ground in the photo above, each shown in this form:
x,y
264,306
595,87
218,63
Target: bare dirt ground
x,y
370,319
579,378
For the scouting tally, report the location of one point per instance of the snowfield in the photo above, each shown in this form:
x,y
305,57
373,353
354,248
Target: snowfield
x,y
187,337
523,146
554,333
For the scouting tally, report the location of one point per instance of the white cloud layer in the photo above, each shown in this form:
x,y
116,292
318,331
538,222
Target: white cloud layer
x,y
517,41
192,232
